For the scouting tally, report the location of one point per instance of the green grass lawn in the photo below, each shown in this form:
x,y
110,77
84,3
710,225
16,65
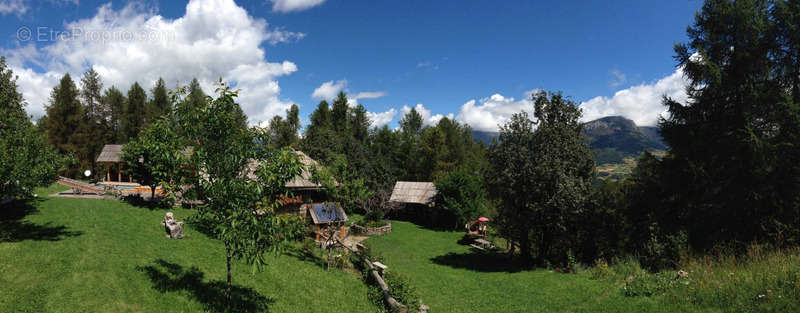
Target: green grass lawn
x,y
451,278
84,255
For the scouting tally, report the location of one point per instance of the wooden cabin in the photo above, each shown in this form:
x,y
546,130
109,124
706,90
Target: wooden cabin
x,y
416,202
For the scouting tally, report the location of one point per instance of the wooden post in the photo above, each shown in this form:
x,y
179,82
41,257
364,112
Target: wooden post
x,y
119,172
108,172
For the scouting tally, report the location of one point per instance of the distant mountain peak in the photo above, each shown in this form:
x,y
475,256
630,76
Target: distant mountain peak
x,y
611,138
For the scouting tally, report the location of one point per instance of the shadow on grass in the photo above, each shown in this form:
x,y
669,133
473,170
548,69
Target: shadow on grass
x,y
147,203
306,256
483,262
169,277
13,227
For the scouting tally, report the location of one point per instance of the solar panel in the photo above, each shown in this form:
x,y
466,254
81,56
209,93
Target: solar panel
x,y
328,212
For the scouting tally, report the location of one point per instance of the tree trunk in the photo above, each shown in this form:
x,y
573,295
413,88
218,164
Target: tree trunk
x,y
152,193
525,247
228,290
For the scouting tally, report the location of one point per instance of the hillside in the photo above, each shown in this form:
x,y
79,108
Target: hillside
x,y
611,138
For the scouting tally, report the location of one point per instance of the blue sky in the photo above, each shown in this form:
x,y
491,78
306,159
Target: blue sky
x,y
472,59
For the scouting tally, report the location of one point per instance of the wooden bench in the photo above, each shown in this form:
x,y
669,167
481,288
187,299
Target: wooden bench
x,y
484,243
477,247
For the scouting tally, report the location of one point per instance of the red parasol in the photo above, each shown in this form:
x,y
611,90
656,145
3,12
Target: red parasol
x,y
483,219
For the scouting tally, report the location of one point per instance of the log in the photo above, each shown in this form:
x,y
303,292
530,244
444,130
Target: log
x,y
393,304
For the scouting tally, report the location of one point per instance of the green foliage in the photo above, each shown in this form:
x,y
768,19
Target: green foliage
x,y
646,284
284,132
96,129
240,185
132,119
160,103
402,289
544,176
731,173
115,100
64,123
25,160
340,184
463,193
155,157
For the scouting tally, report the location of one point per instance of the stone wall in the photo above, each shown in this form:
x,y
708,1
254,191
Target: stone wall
x,y
373,231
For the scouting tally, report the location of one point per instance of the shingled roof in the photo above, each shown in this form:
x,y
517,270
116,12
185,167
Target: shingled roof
x,y
110,154
414,192
113,154
300,182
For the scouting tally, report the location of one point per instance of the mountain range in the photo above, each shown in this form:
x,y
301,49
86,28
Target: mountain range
x,y
611,138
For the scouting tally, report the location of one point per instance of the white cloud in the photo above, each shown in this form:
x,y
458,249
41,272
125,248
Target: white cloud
x,y
215,38
328,90
285,6
641,103
427,118
279,36
380,119
487,113
618,79
428,65
369,95
13,7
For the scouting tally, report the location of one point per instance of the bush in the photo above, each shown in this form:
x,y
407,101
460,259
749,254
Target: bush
x,y
462,193
646,284
600,270
400,289
399,286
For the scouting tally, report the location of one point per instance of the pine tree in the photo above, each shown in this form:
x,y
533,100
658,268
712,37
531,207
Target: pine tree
x,y
133,120
160,103
734,152
360,122
409,151
65,121
91,89
319,138
284,133
95,130
115,101
340,115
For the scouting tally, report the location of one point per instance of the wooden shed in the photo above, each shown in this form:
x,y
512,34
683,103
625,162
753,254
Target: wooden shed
x,y
111,156
423,193
324,216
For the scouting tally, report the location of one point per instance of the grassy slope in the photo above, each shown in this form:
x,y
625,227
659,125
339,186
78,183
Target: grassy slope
x,y
107,256
452,279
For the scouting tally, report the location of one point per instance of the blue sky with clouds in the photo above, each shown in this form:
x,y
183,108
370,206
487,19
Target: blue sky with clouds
x,y
472,60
